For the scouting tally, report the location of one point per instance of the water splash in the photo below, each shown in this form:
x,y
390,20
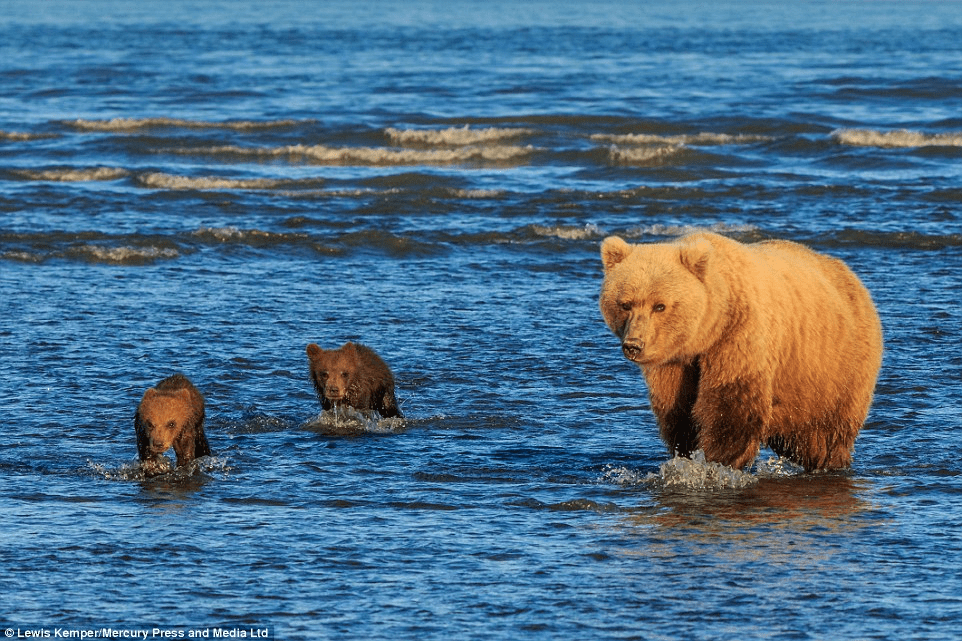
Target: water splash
x,y
344,420
693,473
698,474
162,468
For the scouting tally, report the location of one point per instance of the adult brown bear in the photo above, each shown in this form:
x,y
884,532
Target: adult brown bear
x,y
746,344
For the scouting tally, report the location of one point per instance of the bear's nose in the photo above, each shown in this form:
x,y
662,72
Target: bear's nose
x,y
632,349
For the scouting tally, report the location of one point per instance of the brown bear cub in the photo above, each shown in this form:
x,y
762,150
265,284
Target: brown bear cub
x,y
742,345
170,415
353,375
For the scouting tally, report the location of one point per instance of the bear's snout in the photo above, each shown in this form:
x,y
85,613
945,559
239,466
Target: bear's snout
x,y
158,445
633,349
334,392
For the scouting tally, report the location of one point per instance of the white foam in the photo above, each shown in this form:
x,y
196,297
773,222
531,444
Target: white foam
x,y
454,136
684,230
374,156
90,174
643,155
900,138
157,180
232,234
19,136
700,139
477,194
123,125
589,231
125,255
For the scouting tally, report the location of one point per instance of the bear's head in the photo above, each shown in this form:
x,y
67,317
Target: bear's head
x,y
655,298
165,415
333,370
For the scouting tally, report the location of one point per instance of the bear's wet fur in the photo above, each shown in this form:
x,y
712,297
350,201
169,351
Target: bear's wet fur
x,y
353,375
746,344
171,414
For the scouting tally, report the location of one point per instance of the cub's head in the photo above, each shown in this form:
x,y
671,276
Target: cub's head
x,y
334,370
654,297
164,416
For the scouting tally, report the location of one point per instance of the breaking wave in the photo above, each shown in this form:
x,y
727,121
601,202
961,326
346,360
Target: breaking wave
x,y
122,255
699,139
569,232
123,125
654,155
19,136
684,230
453,136
896,139
372,156
159,180
90,174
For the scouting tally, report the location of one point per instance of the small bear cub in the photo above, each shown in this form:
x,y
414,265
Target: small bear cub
x,y
355,376
170,415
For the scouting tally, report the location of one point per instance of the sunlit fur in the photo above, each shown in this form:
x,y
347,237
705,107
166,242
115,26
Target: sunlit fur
x,y
355,376
746,344
170,415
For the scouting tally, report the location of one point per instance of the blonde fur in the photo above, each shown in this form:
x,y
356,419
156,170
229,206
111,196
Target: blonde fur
x,y
742,345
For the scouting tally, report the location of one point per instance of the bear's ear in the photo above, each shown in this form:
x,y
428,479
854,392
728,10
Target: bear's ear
x,y
150,393
613,251
694,256
313,351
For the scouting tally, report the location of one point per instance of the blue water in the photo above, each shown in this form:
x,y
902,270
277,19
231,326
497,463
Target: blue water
x,y
207,187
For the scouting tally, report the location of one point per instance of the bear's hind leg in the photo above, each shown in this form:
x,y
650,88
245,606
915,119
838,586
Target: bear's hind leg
x,y
820,445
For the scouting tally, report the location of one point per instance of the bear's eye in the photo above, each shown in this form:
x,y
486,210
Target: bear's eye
x,y
660,307
625,306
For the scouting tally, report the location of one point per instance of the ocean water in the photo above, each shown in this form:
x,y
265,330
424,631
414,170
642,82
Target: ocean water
x,y
207,187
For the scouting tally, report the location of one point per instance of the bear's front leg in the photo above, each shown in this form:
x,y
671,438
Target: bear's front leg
x,y
191,444
672,390
732,420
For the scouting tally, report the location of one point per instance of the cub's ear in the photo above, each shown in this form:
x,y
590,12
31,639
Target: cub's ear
x,y
313,351
694,256
150,393
613,251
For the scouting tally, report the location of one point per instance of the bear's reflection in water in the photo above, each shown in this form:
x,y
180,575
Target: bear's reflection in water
x,y
791,520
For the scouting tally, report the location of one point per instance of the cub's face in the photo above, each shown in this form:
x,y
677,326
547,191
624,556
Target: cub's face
x,y
333,371
165,416
652,300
